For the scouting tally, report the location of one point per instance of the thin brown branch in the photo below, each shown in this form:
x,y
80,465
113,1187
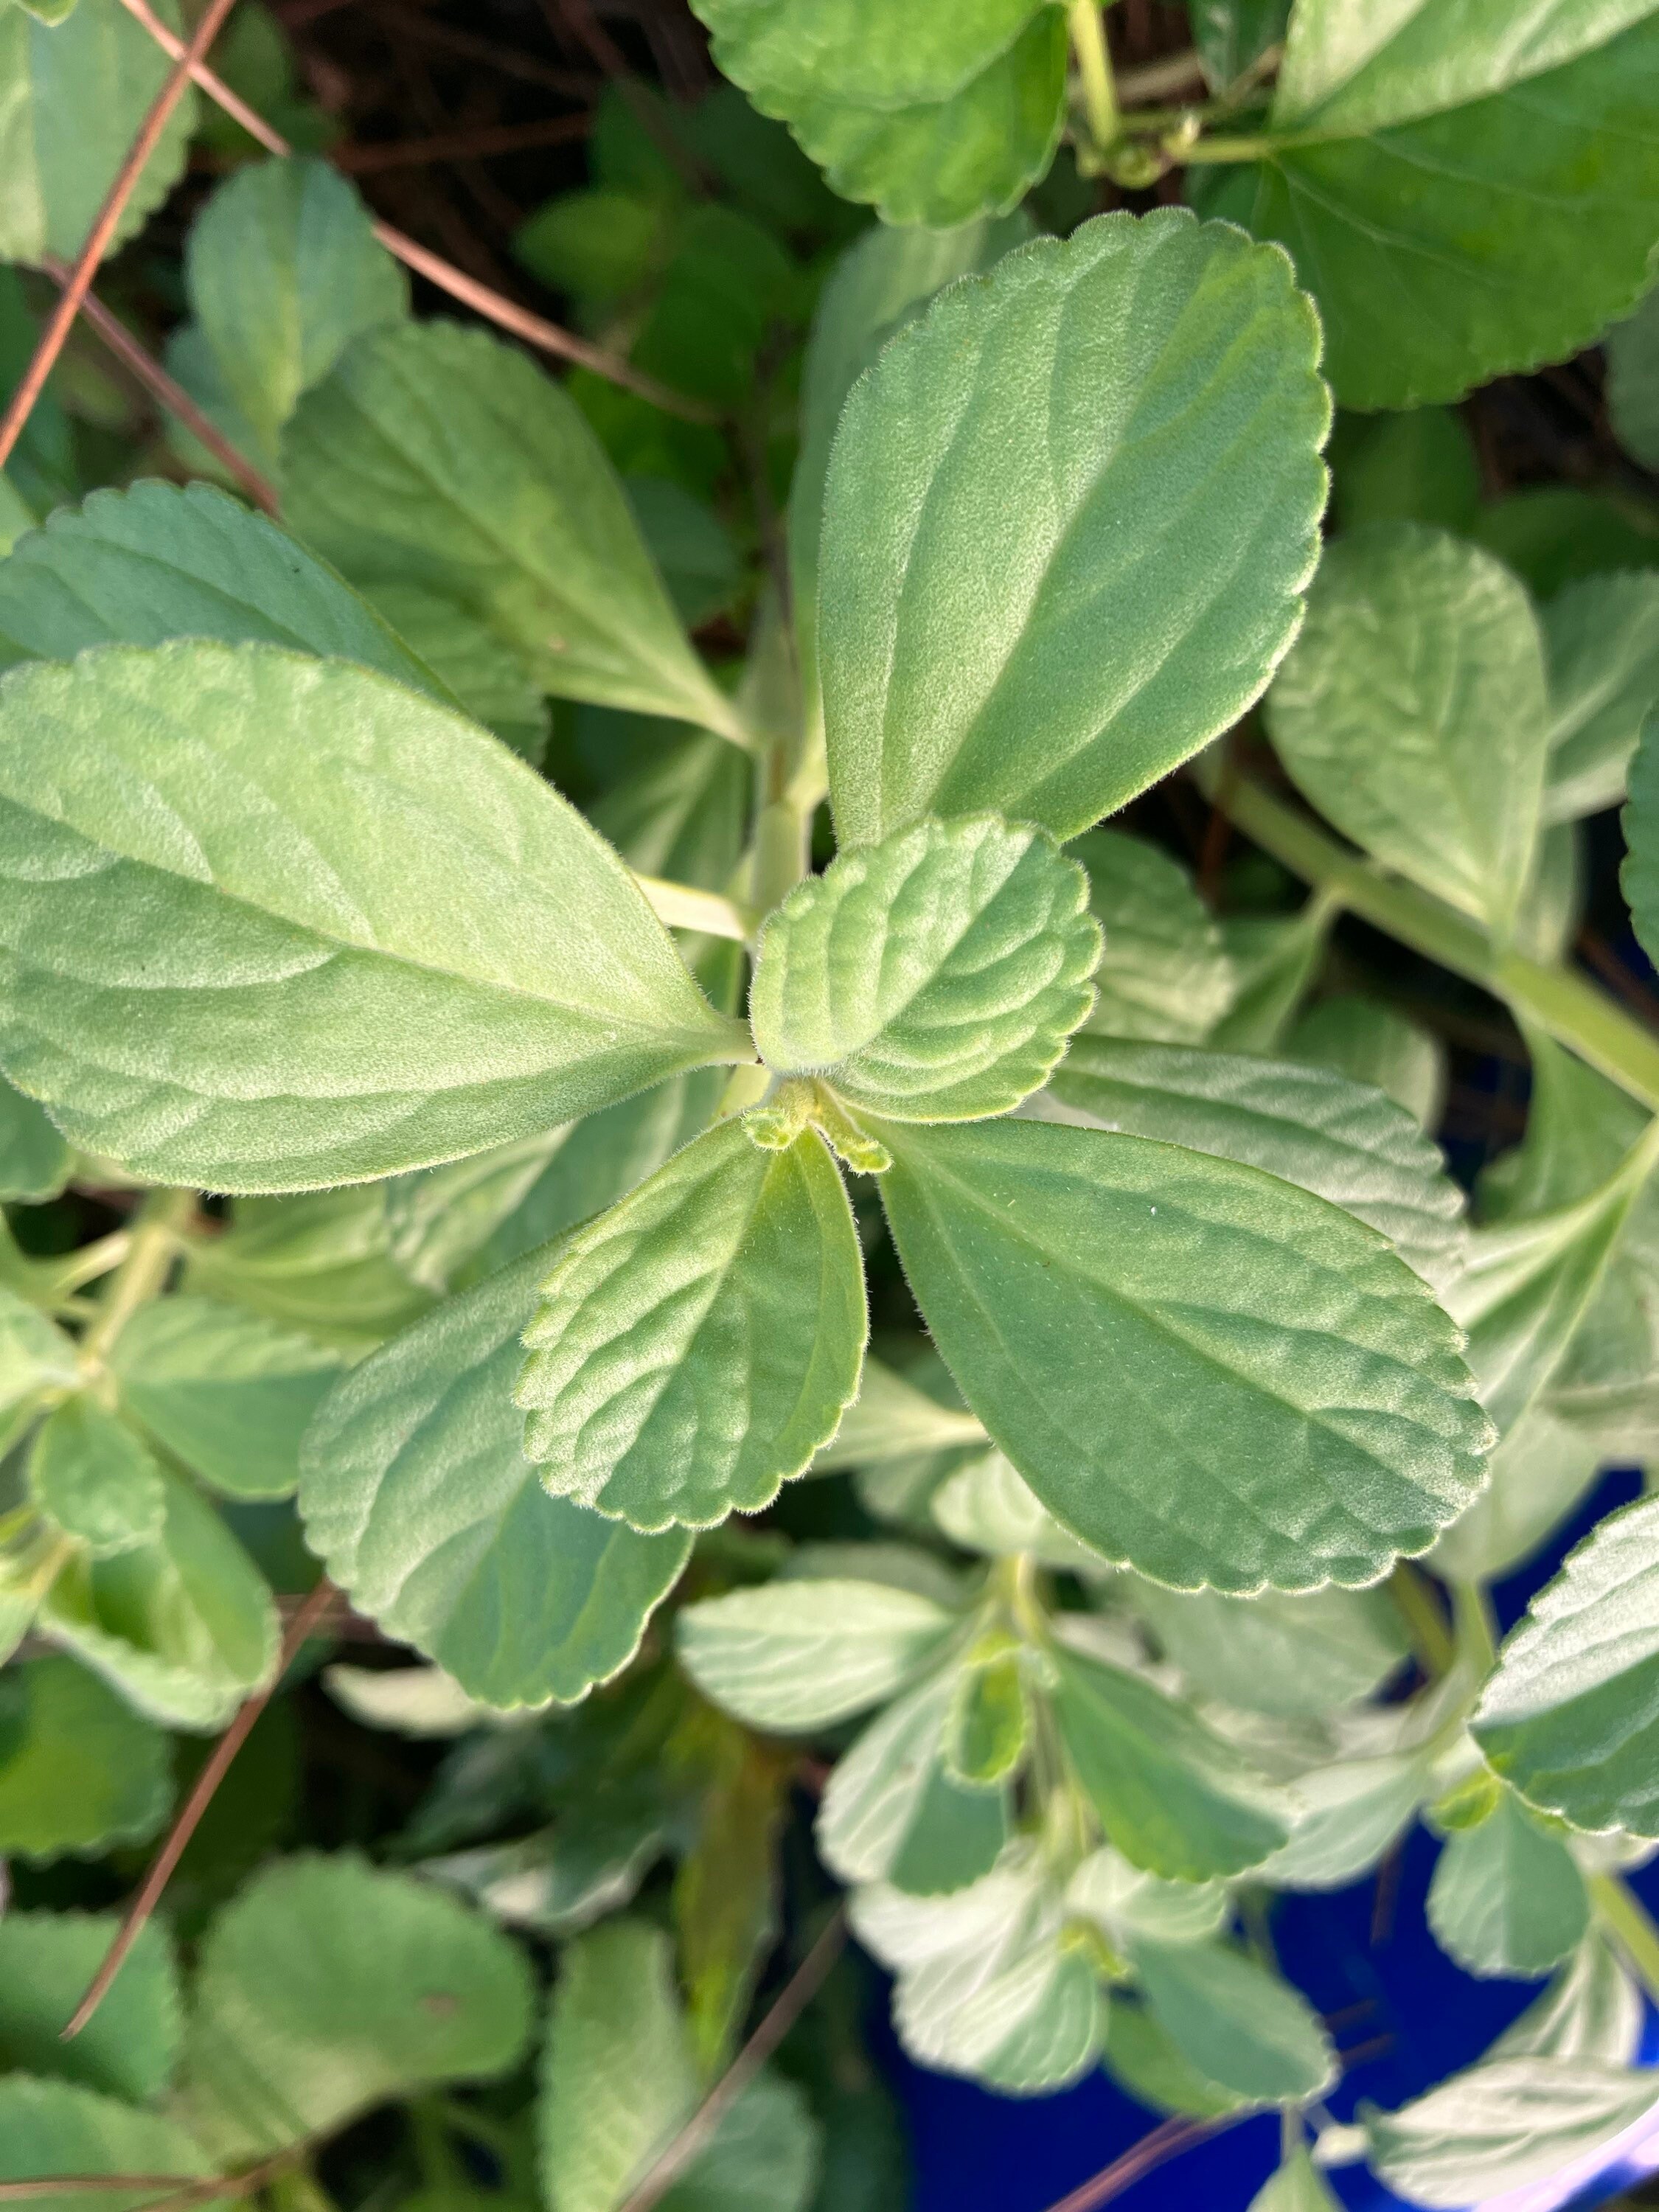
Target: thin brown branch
x,y
459,145
104,226
170,394
182,2190
206,1783
214,86
1166,2141
496,306
1158,80
412,24
71,2184
798,1993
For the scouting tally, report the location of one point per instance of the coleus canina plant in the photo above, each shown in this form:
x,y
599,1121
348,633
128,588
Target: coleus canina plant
x,y
548,1228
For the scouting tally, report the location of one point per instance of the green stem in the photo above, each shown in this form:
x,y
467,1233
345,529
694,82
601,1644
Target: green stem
x,y
1094,69
150,1253
683,905
1627,1919
1477,1629
1432,1639
1571,1009
1230,149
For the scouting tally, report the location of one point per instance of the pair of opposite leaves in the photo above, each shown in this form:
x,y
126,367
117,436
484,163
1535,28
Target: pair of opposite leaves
x,y
382,942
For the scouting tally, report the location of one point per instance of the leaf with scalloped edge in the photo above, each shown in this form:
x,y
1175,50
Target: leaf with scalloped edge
x,y
936,975
791,1656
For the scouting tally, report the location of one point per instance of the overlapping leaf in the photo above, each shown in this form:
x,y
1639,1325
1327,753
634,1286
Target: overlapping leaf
x,y
1506,1897
798,1655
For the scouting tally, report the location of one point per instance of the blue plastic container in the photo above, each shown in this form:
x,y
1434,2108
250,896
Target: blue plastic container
x,y
975,2152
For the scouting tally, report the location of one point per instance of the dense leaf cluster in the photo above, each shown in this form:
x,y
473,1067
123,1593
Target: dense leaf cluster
x,y
573,988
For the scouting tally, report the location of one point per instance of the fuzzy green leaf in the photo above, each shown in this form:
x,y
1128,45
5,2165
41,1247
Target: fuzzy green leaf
x,y
1347,1816
795,1656
1502,2125
1633,386
182,1623
159,560
94,1480
284,270
995,635
1453,220
1236,2022
936,975
1163,973
695,1345
987,1986
1173,1798
416,1491
1538,1473
327,1987
1640,876
618,2082
1572,1716
1371,1041
34,1159
1592,2010
1340,1141
1298,2186
225,1391
1090,1291
49,2128
440,456
79,1771
1603,638
1275,1654
73,95
1127,1902
893,1812
893,1420
299,926
130,2045
1507,1897
1413,710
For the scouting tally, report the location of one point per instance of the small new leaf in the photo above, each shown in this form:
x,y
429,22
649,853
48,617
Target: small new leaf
x,y
935,976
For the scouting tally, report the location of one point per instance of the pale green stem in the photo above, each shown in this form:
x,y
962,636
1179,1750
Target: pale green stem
x,y
1432,1639
683,905
1626,1919
1573,1010
1477,1630
1230,149
1094,69
140,1277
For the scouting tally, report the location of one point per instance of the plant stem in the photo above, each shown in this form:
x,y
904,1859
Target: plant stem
x,y
1432,1639
1230,150
1094,67
683,905
1627,1919
1569,1007
154,1241
1477,1631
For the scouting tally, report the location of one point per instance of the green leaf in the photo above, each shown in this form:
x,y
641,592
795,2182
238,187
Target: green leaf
x,y
1231,34
1507,1897
1370,1042
1127,1902
936,975
1164,973
327,1987
987,1506
1340,1141
987,1986
726,1890
1501,2126
792,1656
1273,1654
891,1810
955,117
1592,2010
695,1345
94,1480
1172,1796
284,270
1632,383
992,636
989,1723
1420,466
1640,820
1344,1818
1141,2058
1604,679
182,1624
893,1420
415,1492
492,685
681,814
130,2045
1413,711
440,456
881,283
1298,2186
618,2083
321,1263
158,561
224,1391
78,1770
1569,1718
379,939
73,95
35,1355
35,1160
49,2128
1441,207
1276,960
1237,2024
1143,1285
